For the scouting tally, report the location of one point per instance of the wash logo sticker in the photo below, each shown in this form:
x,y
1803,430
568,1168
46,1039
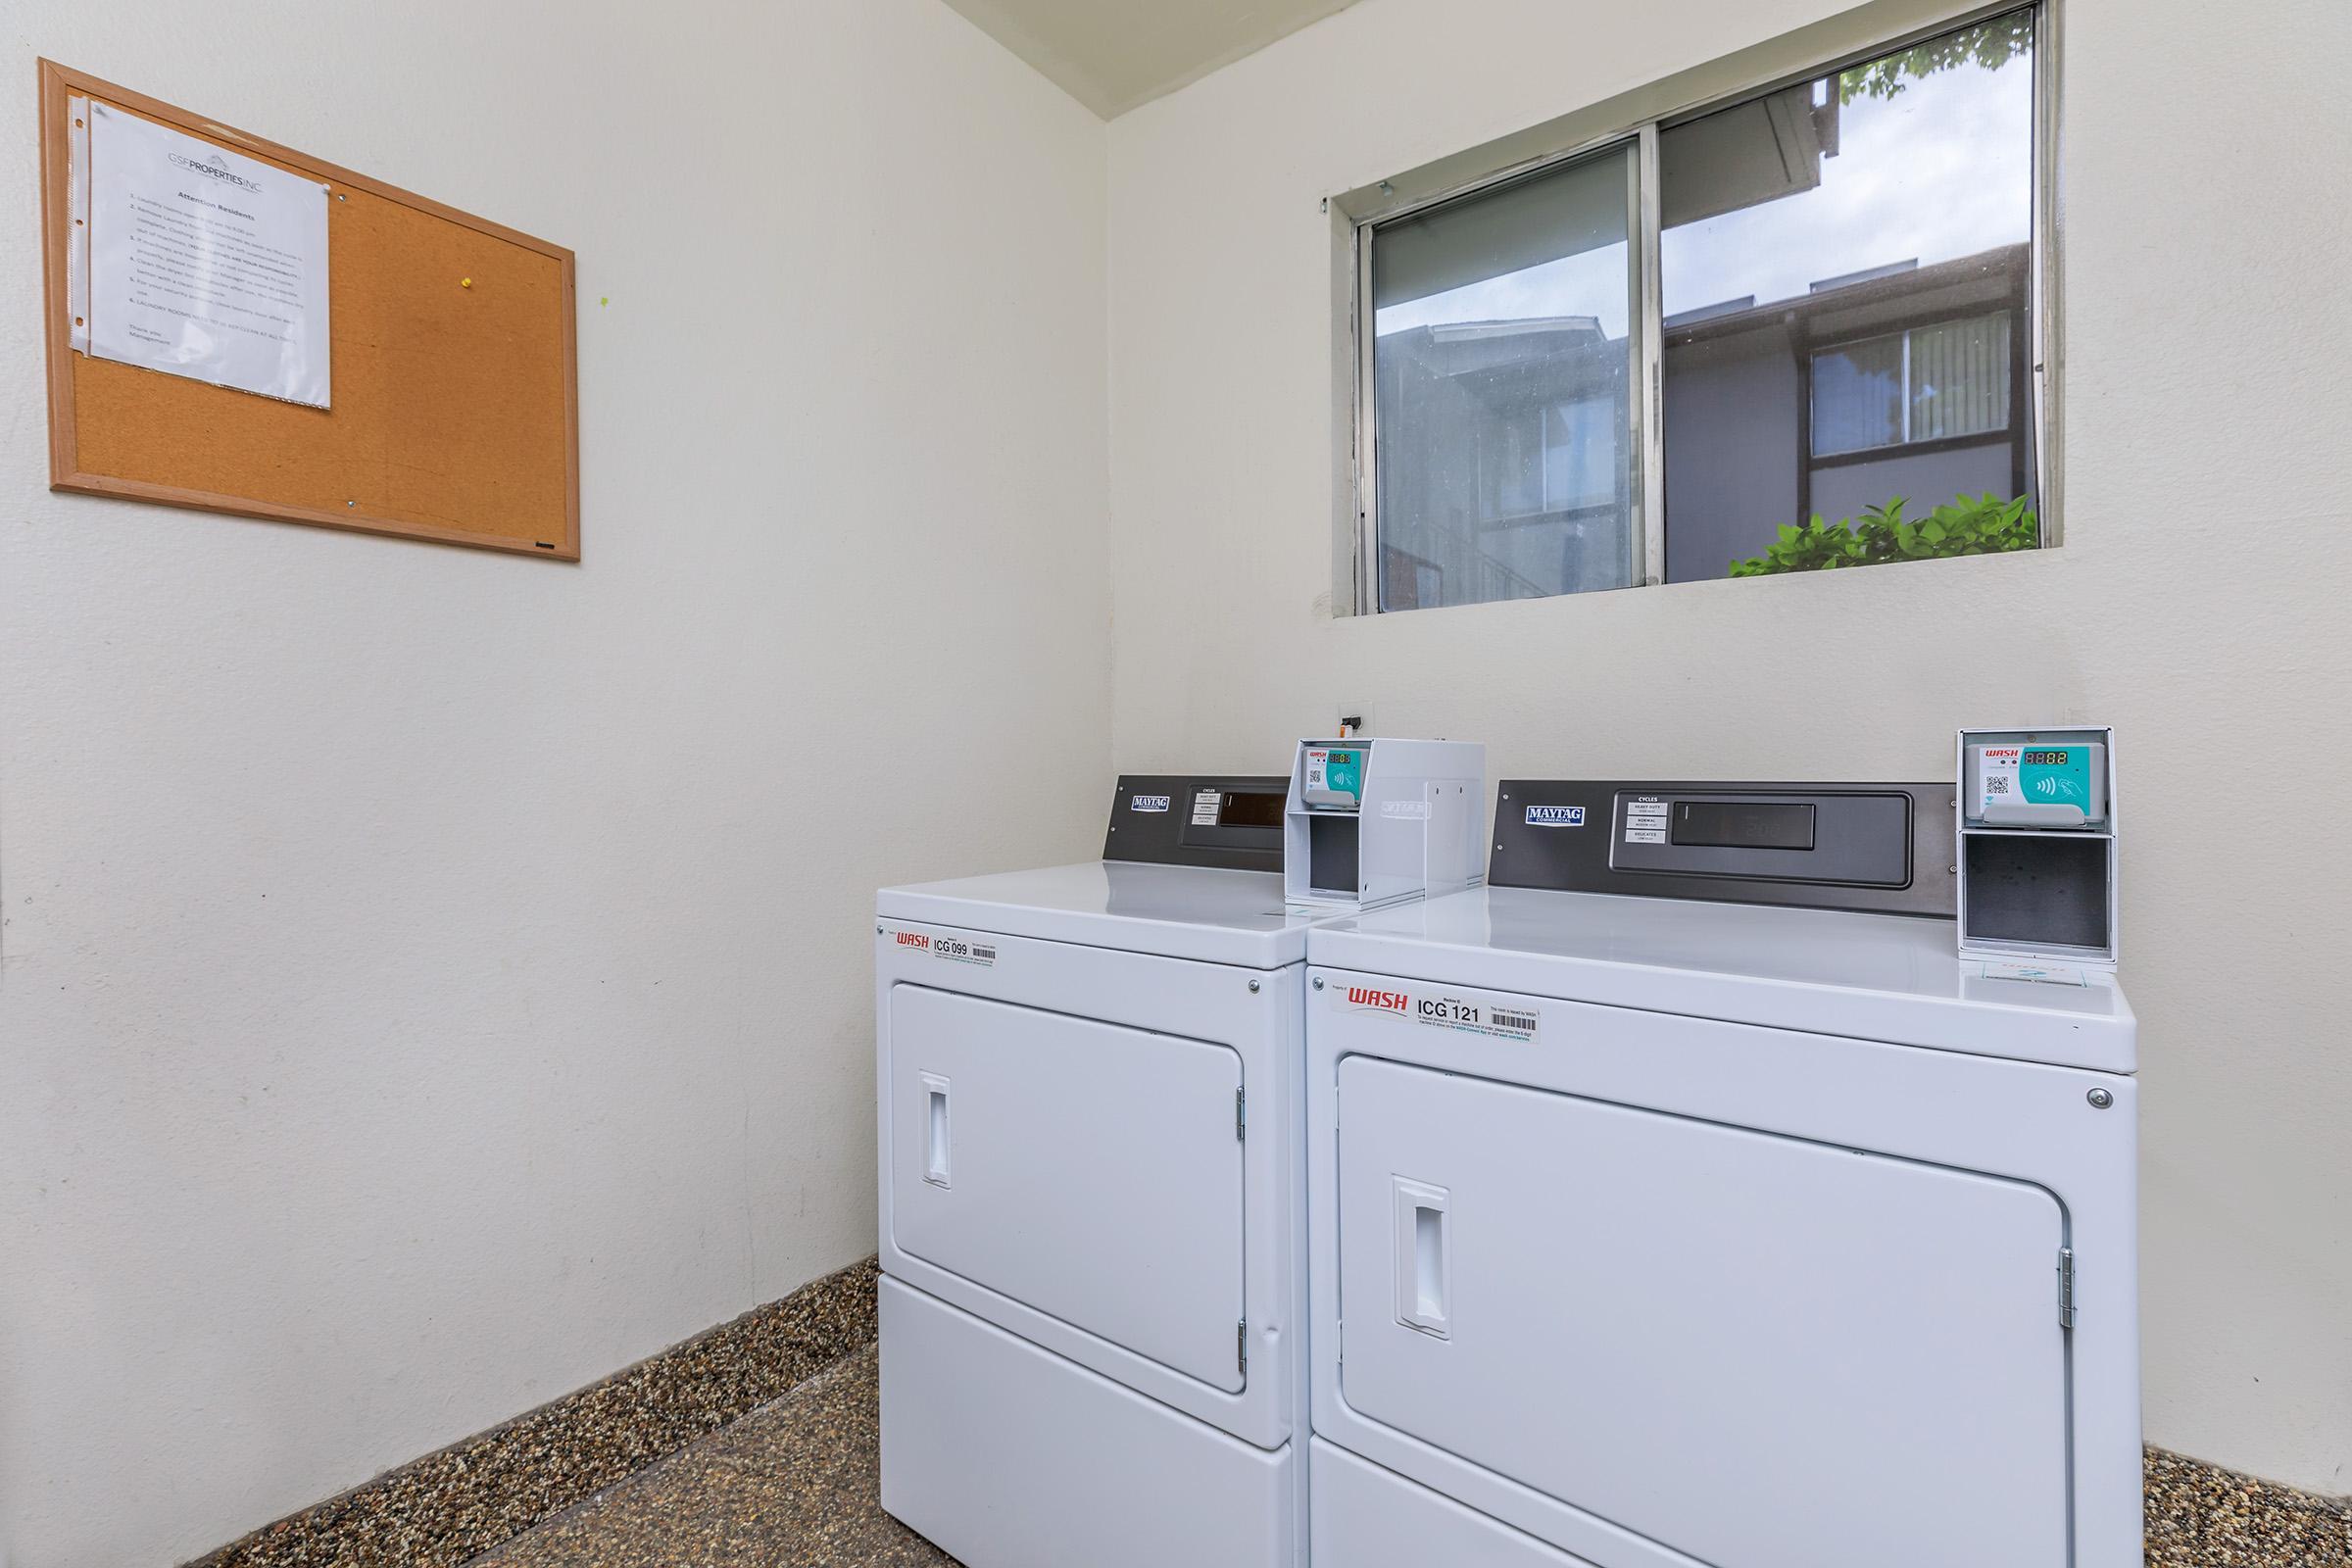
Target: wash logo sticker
x,y
1146,803
956,950
1555,817
1443,1010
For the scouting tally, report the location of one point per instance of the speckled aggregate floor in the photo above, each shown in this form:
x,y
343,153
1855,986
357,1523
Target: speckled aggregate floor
x,y
793,1484
756,1443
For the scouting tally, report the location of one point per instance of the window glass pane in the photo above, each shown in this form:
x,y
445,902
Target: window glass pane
x,y
1846,270
1960,378
1501,347
1858,396
1580,456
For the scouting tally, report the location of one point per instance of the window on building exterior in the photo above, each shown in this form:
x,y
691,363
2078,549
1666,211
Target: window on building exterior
x,y
1843,330
1931,383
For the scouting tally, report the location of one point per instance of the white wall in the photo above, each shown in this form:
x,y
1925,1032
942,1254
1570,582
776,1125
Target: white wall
x,y
2199,597
432,979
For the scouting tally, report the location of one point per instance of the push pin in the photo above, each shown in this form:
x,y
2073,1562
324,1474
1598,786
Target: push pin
x,y
465,282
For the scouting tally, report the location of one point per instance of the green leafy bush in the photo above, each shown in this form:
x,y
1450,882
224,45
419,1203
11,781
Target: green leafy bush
x,y
1964,526
1992,45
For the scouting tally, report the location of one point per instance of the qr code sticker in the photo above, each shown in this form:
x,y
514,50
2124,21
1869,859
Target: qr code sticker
x,y
1998,784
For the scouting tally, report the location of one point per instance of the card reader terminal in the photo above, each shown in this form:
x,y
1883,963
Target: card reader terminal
x,y
2049,785
1335,778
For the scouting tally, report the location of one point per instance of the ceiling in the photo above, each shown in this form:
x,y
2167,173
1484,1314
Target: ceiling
x,y
1111,55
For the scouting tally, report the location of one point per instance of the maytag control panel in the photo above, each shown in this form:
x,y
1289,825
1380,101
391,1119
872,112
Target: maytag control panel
x,y
1883,848
1227,820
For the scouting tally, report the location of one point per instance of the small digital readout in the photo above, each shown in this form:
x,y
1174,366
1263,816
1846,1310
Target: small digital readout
x,y
1249,809
1743,826
2046,759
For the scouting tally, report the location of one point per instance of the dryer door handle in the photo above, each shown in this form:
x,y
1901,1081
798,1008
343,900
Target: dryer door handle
x,y
1424,1258
934,1128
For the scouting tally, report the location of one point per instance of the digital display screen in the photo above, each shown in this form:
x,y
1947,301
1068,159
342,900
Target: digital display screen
x,y
1743,824
2045,758
1249,809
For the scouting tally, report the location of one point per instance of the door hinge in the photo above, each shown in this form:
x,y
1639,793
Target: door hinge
x,y
1240,1113
1240,1345
2066,1286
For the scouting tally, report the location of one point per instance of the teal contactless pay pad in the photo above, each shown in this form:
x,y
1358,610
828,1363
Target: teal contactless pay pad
x,y
2057,784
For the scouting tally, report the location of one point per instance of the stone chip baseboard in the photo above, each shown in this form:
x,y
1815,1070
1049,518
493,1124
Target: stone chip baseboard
x,y
446,1507
2203,1516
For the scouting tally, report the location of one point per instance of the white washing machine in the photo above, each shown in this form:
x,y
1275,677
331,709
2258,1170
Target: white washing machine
x,y
1091,1160
1682,1197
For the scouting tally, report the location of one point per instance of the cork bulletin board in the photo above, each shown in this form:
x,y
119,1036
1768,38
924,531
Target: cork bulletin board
x,y
455,408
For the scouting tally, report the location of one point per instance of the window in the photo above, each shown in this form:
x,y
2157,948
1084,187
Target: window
x,y
1504,358
1931,383
1830,287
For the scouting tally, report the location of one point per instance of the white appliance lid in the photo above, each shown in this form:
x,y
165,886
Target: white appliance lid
x,y
1180,912
1894,978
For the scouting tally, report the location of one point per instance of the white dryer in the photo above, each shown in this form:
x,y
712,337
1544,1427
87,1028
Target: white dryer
x,y
1094,1288
1682,1197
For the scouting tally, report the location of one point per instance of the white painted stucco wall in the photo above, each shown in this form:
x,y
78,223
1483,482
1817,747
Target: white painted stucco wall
x,y
431,979
2200,597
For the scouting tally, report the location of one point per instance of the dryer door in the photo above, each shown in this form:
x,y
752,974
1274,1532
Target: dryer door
x,y
1760,1352
1085,1169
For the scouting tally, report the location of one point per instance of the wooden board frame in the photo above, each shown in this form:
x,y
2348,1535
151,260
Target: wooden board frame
x,y
66,468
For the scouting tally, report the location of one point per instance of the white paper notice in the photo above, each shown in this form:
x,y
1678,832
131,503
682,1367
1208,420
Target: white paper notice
x,y
203,263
